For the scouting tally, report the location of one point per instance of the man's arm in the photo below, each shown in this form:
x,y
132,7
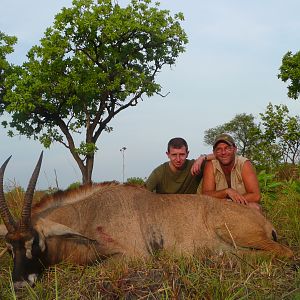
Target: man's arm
x,y
249,178
251,183
196,167
209,184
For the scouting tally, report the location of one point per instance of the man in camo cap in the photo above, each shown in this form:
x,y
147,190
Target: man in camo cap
x,y
230,176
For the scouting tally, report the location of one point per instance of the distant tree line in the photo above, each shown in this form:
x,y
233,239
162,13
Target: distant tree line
x,y
269,142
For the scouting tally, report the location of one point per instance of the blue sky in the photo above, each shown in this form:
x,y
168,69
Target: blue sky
x,y
230,66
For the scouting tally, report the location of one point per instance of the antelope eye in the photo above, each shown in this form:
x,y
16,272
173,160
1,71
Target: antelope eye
x,y
9,247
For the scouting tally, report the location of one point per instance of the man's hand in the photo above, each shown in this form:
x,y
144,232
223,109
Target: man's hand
x,y
196,167
236,197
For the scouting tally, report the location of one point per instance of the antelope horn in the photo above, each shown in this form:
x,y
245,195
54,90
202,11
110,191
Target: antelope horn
x,y
4,211
26,211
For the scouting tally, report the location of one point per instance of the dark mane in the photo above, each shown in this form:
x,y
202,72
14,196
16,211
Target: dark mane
x,y
141,186
61,198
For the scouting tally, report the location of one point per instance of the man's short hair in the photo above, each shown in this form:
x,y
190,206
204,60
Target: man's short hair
x,y
224,138
177,143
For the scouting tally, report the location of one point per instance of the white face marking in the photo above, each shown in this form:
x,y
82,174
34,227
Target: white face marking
x,y
41,242
28,247
19,284
32,278
10,248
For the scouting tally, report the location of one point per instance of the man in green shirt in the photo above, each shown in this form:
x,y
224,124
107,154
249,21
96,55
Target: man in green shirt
x,y
175,176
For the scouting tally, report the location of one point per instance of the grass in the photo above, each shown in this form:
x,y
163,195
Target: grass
x,y
203,276
166,277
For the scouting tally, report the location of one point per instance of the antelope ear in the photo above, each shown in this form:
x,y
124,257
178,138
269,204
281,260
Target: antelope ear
x,y
3,231
48,228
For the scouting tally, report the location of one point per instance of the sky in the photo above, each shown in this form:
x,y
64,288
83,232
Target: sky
x,y
230,66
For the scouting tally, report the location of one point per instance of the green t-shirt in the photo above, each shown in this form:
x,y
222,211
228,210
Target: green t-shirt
x,y
164,181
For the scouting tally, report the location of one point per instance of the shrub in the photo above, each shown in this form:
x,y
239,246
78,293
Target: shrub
x,y
268,183
74,185
135,180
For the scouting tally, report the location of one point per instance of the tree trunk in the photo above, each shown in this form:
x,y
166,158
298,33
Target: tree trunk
x,y
87,170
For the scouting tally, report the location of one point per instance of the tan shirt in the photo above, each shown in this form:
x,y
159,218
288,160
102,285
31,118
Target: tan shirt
x,y
236,175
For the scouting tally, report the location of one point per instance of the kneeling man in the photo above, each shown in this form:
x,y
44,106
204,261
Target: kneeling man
x,y
230,176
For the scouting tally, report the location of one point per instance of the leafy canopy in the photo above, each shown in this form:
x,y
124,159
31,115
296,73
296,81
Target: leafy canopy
x,y
243,130
290,71
284,130
96,60
6,47
275,140
89,63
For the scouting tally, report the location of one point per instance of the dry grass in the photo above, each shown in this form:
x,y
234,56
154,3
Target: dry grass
x,y
203,276
165,277
15,195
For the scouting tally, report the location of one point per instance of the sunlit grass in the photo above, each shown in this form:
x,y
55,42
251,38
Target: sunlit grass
x,y
168,277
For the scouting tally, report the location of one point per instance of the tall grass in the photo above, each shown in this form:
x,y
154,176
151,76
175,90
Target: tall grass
x,y
206,275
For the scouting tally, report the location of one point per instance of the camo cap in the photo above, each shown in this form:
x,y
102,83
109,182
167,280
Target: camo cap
x,y
224,138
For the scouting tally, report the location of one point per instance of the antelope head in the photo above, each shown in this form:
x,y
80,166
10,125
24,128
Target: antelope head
x,y
22,239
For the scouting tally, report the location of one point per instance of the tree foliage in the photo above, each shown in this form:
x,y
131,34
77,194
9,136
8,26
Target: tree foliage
x,y
96,60
6,47
284,130
243,130
135,181
273,141
290,71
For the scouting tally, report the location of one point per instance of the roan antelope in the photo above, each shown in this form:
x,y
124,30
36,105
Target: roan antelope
x,y
104,220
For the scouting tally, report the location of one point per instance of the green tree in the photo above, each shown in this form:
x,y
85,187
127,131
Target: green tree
x,y
95,61
6,47
249,140
243,130
284,130
290,71
265,156
135,180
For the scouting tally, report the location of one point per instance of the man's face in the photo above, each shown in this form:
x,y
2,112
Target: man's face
x,y
225,154
177,157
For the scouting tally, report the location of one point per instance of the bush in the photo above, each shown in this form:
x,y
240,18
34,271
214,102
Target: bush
x,y
268,183
74,185
135,180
